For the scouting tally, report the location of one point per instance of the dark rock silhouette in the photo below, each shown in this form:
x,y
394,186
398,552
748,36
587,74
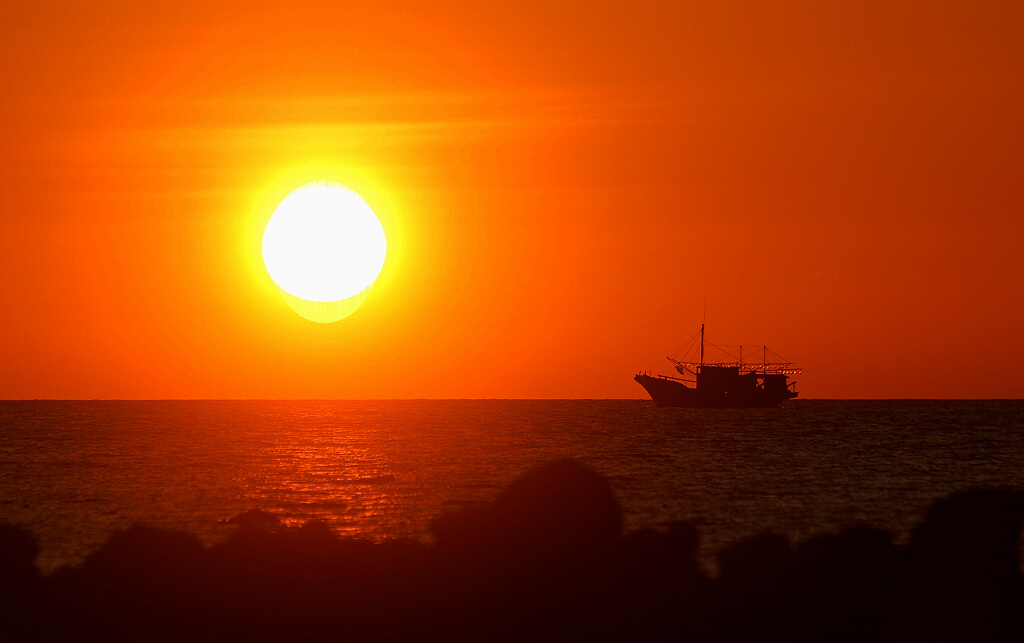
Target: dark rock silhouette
x,y
20,581
545,561
843,586
963,577
255,518
660,589
535,562
558,511
142,580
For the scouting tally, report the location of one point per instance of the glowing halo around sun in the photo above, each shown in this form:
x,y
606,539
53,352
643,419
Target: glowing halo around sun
x,y
324,248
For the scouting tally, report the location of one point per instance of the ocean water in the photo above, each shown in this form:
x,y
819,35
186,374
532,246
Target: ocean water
x,y
72,472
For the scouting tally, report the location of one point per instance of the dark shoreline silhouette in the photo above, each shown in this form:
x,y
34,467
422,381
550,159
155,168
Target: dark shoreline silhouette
x,y
546,560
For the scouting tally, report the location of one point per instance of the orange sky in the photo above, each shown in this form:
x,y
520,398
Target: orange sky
x,y
562,187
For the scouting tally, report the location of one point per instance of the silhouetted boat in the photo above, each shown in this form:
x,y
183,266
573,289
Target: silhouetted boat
x,y
729,384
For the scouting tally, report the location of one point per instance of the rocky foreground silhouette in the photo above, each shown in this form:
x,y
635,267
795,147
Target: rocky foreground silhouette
x,y
547,560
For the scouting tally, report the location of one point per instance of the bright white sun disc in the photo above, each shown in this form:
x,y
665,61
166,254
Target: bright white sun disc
x,y
324,243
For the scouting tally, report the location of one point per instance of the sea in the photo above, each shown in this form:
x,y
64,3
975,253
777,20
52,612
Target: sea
x,y
73,472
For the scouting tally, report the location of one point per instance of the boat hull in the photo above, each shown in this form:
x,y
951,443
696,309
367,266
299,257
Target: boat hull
x,y
666,391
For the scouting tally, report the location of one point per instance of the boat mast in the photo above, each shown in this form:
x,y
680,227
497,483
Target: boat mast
x,y
702,347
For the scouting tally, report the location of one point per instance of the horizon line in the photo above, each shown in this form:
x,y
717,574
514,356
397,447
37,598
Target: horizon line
x,y
487,399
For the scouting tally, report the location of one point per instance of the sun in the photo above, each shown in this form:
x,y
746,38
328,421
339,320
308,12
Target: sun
x,y
324,248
